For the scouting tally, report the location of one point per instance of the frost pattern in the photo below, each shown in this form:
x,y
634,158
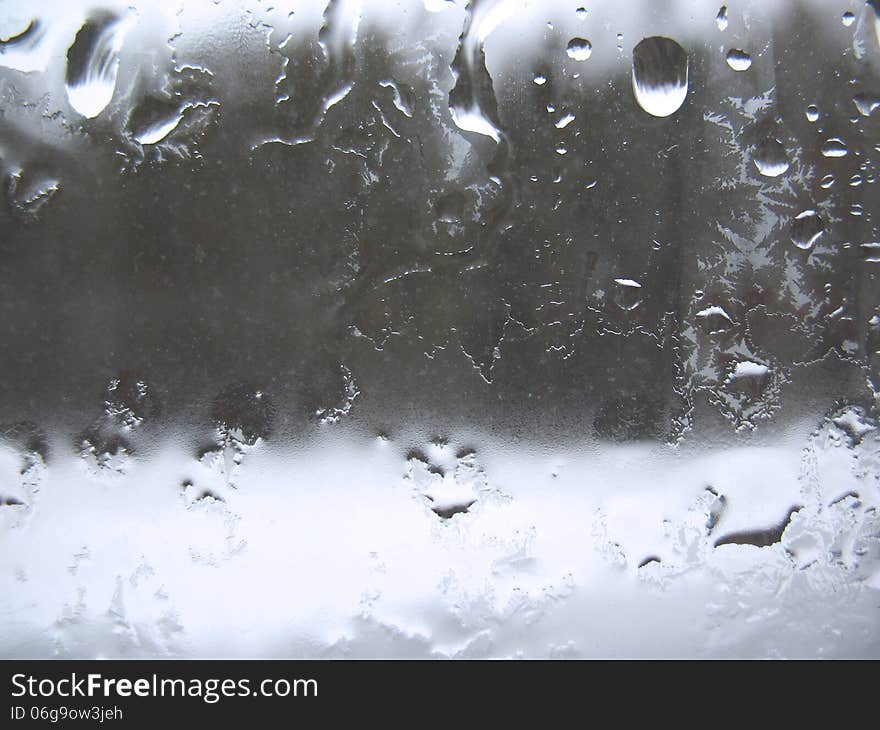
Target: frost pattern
x,y
467,328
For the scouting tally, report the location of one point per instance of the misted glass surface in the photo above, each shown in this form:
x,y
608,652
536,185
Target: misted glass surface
x,y
434,329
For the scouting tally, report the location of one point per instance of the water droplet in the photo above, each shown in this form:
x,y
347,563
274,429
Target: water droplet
x,y
153,120
874,12
871,252
564,121
748,370
738,60
855,180
28,50
848,19
579,49
158,131
581,13
472,103
806,229
721,18
770,158
93,63
628,295
540,79
715,319
812,113
834,147
866,103
827,181
660,75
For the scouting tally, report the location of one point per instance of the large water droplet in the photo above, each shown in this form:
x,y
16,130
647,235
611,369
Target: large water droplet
x,y
770,158
158,131
579,49
472,102
871,252
93,63
812,113
715,319
564,121
806,229
721,18
153,120
660,75
866,103
26,51
751,375
628,295
738,60
874,14
848,19
834,147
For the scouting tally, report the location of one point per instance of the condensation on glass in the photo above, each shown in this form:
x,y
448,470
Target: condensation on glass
x,y
434,329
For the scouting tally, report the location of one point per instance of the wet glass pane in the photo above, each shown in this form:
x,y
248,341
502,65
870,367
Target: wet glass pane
x,y
435,329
